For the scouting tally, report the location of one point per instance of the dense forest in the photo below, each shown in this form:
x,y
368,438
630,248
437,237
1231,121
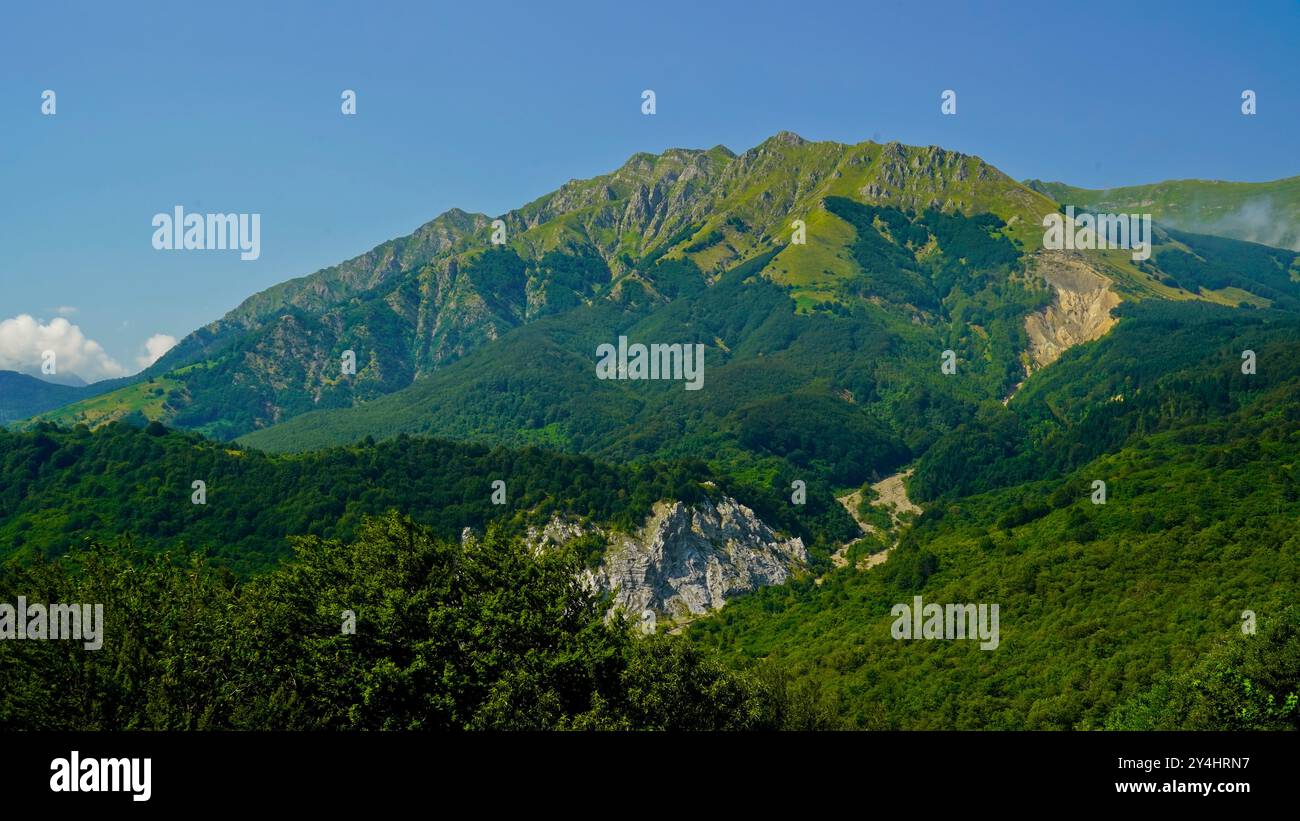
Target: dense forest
x,y
477,636
60,488
1125,614
1100,604
1165,365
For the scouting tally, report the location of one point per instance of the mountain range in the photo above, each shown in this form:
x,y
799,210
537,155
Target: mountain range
x,y
917,250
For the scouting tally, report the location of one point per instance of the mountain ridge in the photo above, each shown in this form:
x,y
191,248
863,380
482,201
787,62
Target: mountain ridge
x,y
1264,212
659,227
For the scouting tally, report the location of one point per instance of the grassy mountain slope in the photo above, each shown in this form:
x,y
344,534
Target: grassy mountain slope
x,y
1263,212
865,358
420,303
856,389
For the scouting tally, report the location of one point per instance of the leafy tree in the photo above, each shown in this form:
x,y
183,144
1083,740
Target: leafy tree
x,y
482,635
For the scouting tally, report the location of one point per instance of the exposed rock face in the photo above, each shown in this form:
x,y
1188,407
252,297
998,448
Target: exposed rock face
x,y
686,561
1080,311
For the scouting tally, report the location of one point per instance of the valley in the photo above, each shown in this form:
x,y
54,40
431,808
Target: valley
x,y
890,496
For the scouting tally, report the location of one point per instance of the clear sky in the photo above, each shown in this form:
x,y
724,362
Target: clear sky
x,y
235,107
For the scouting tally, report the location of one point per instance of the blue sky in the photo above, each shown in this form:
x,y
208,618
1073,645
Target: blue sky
x,y
234,107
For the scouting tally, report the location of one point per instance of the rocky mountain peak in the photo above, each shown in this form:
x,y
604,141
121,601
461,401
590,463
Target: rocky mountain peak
x,y
787,138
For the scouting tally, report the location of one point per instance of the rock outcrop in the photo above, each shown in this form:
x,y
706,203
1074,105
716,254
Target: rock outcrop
x,y
686,560
1080,310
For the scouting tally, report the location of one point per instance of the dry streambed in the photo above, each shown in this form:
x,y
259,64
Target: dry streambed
x,y
891,496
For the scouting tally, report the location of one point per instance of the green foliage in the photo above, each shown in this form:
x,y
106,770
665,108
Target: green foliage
x,y
486,635
823,434
1164,365
971,254
1247,682
677,277
60,488
1214,263
871,513
589,548
910,567
560,280
891,270
683,234
1110,614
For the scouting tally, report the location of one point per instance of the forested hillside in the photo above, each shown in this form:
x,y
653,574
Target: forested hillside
x,y
1102,605
61,488
877,377
485,636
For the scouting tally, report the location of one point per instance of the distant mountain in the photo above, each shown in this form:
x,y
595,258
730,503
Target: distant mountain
x,y
22,395
917,249
62,378
1263,212
844,389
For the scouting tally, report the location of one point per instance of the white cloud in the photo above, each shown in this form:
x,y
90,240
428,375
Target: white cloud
x,y
65,310
155,346
23,340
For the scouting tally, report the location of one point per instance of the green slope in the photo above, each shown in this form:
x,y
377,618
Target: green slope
x,y
1263,212
1104,609
857,381
61,487
23,396
863,357
417,304
138,402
